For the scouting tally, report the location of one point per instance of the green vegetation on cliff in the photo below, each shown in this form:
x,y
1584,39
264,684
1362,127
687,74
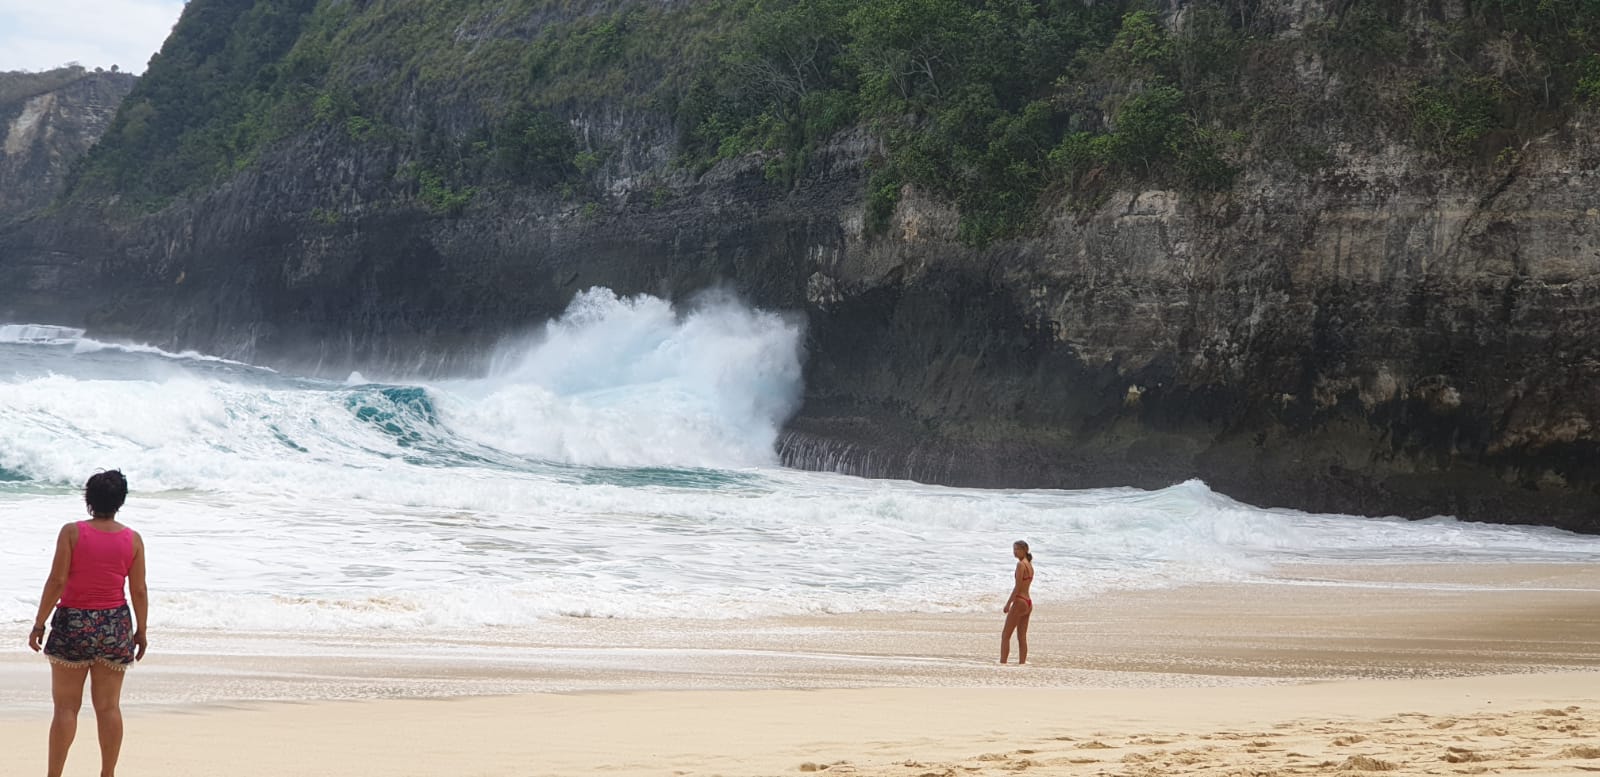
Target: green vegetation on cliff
x,y
20,85
187,122
994,105
466,91
990,104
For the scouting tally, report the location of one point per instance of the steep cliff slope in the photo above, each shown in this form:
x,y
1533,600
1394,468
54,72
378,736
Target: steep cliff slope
x,y
1338,255
48,120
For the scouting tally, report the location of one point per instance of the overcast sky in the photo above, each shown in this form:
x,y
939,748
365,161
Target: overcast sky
x,y
42,34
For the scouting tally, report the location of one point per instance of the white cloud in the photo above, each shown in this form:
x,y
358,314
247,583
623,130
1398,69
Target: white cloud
x,y
42,34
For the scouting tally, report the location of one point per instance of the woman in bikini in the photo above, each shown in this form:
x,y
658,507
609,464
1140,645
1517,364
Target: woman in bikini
x,y
91,634
1019,606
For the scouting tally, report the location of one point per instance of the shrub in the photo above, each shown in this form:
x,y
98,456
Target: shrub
x,y
883,194
439,196
1452,120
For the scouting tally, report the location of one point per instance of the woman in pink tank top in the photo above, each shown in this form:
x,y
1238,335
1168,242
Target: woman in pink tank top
x,y
91,633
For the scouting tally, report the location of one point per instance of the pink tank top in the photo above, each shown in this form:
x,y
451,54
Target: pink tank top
x,y
99,570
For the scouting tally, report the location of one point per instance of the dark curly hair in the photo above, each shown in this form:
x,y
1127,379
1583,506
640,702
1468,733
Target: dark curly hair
x,y
105,492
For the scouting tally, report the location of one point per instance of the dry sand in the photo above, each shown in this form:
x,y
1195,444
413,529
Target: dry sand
x,y
1452,726
1448,669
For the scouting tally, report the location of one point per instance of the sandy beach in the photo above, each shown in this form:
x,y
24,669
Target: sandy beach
x,y
1445,669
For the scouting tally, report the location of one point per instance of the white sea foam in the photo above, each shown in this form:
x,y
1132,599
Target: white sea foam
x,y
40,334
636,382
53,335
618,465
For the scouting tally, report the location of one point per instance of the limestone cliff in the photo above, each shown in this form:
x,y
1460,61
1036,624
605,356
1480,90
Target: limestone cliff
x,y
47,120
1361,316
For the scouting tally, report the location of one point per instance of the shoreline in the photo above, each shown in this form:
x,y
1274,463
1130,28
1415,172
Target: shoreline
x,y
1496,666
1315,623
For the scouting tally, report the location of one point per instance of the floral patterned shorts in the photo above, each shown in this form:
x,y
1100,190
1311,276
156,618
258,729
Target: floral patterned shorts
x,y
79,638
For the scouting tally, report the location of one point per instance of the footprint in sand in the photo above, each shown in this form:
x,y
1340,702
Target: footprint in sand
x,y
1362,763
1580,751
1144,771
1349,740
1093,745
838,767
1461,755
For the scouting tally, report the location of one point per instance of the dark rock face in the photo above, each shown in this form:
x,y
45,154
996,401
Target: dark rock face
x,y
44,128
1391,340
1381,337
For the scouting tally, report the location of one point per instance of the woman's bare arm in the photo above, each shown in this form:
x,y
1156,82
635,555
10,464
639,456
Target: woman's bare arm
x,y
139,593
1016,588
57,581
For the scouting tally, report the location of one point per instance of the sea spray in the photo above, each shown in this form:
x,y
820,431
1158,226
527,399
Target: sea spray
x,y
634,381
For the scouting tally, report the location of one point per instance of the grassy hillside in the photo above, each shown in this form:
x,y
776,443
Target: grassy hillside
x,y
995,105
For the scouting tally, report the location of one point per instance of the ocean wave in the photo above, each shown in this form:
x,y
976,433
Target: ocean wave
x,y
616,465
51,335
615,382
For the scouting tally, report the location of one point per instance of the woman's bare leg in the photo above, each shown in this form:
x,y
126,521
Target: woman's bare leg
x,y
66,690
1022,636
1005,635
105,690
